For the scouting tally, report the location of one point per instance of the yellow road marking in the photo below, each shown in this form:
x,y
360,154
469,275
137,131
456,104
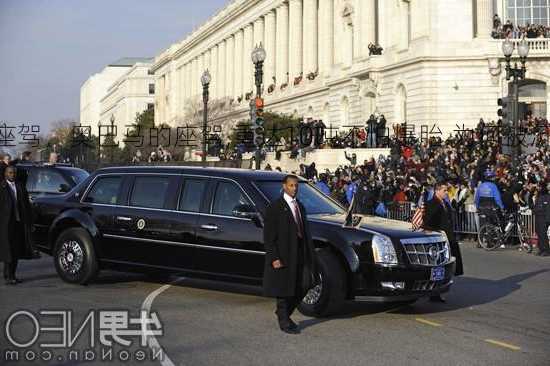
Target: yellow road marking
x,y
429,322
502,344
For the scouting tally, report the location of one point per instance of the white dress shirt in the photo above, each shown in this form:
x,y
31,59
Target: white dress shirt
x,y
290,201
13,188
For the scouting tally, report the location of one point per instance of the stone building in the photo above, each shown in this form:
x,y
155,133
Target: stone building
x,y
439,64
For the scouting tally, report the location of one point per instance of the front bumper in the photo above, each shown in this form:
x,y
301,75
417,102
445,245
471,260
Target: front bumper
x,y
367,282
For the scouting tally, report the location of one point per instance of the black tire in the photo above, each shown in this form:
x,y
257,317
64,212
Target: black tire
x,y
332,289
488,237
74,257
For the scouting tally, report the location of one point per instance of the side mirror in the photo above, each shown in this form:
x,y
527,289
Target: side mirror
x,y
248,212
244,211
64,188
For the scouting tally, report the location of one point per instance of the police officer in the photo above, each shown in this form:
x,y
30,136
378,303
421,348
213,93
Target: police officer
x,y
487,197
542,220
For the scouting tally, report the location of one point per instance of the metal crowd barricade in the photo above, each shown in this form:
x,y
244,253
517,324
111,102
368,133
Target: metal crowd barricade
x,y
466,221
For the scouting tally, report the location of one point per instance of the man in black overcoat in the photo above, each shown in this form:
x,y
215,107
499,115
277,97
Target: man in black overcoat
x,y
439,216
290,268
15,224
542,220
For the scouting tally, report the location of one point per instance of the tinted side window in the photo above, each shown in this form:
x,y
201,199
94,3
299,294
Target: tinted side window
x,y
45,180
150,192
191,196
228,196
105,191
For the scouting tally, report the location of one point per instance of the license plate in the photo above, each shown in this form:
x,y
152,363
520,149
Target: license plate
x,y
438,273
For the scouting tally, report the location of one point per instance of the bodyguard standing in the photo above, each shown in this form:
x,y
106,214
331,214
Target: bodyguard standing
x,y
15,224
542,220
290,261
439,216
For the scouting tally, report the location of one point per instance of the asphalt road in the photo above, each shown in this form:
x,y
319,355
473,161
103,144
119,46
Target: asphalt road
x,y
497,314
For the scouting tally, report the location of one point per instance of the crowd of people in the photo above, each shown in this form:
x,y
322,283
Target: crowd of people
x,y
412,170
509,30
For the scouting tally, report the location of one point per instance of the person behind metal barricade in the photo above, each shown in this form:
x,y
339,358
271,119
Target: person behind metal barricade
x,y
488,200
351,188
542,220
365,197
322,184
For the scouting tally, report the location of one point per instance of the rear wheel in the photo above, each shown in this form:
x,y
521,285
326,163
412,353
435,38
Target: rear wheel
x,y
489,237
524,239
74,256
328,296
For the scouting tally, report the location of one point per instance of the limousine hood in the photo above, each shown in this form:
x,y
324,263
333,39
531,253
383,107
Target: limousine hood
x,y
389,227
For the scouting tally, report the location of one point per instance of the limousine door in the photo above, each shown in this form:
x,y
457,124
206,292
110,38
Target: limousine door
x,y
228,244
145,225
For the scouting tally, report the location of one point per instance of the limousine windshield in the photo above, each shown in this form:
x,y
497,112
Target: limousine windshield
x,y
314,201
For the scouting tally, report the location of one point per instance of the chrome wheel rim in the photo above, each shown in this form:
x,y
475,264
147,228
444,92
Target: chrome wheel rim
x,y
489,237
71,257
313,295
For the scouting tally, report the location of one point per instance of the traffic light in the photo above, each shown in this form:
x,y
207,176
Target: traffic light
x,y
504,112
258,122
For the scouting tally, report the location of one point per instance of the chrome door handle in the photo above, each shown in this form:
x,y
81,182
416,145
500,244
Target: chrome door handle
x,y
123,218
209,227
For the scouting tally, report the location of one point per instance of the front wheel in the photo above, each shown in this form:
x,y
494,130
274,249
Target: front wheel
x,y
524,239
489,237
74,256
328,296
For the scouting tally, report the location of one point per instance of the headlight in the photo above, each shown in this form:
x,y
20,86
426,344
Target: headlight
x,y
447,247
383,250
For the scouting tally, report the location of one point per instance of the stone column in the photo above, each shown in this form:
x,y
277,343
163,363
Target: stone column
x,y
195,78
239,63
484,11
215,82
282,44
221,70
248,72
326,35
367,24
259,32
310,36
270,37
229,65
296,41
188,80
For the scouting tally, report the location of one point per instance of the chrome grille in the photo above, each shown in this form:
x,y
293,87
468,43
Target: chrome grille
x,y
424,285
426,251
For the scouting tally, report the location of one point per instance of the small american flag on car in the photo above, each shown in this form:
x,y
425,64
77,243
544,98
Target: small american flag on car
x,y
418,218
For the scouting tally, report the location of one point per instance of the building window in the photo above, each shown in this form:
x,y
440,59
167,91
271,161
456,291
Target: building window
x,y
522,12
150,72
150,106
151,88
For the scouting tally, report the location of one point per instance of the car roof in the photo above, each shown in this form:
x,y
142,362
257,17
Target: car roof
x,y
208,171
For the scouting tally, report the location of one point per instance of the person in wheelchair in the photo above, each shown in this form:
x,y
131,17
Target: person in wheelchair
x,y
488,201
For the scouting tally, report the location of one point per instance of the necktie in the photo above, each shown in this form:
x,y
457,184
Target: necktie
x,y
298,219
15,203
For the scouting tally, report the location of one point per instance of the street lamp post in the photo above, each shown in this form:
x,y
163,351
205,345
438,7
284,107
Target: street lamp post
x,y
516,74
258,58
111,134
205,80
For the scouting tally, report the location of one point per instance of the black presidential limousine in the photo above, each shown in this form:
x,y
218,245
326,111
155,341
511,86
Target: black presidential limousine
x,y
208,222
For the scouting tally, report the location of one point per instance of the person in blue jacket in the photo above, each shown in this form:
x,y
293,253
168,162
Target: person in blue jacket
x,y
322,184
350,190
487,194
487,197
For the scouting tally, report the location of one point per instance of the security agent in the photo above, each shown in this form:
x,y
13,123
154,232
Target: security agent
x,y
15,225
487,197
542,220
290,268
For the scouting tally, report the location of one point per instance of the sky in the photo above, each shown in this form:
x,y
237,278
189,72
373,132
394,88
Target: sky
x,y
48,48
